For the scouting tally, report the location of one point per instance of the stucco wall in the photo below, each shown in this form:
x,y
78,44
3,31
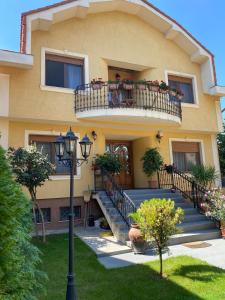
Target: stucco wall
x,y
104,36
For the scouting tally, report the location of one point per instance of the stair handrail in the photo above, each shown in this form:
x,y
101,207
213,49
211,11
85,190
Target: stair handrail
x,y
120,200
169,176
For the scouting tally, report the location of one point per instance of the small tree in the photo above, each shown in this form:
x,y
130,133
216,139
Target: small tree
x,y
19,259
152,161
157,219
32,169
110,162
204,175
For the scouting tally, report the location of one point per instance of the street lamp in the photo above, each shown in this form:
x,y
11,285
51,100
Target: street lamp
x,y
65,149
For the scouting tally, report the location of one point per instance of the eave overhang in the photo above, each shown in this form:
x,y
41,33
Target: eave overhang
x,y
15,59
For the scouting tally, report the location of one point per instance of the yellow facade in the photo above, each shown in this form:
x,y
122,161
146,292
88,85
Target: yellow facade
x,y
105,37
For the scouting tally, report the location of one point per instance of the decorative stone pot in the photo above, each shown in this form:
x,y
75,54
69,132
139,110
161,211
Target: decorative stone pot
x,y
128,86
154,88
153,184
222,228
113,86
137,241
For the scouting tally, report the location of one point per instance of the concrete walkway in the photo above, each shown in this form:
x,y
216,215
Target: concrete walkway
x,y
214,254
102,246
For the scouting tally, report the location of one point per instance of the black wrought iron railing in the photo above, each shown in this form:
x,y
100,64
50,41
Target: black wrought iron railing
x,y
108,96
120,200
170,177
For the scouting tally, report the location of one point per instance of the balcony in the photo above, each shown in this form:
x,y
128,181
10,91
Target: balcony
x,y
126,103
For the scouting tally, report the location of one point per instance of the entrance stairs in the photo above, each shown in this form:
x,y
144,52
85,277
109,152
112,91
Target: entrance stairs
x,y
195,226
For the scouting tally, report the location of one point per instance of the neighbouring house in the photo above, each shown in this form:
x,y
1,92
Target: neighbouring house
x,y
64,47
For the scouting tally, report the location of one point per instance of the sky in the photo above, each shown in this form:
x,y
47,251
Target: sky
x,y
203,18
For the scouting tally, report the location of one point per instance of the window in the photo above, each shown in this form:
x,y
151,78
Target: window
x,y
63,72
183,84
44,144
65,211
185,154
46,214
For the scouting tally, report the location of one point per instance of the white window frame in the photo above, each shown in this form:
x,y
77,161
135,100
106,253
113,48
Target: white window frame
x,y
63,53
55,133
201,150
194,85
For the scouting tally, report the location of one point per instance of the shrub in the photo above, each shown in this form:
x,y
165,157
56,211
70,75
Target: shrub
x,y
204,175
20,278
109,162
152,161
157,219
32,169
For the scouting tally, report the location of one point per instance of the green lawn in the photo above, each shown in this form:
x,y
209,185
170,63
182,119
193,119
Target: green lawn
x,y
188,278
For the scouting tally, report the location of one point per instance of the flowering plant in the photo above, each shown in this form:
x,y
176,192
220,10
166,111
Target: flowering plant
x,y
215,204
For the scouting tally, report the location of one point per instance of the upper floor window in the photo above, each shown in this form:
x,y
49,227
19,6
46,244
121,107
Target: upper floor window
x,y
185,85
63,72
44,144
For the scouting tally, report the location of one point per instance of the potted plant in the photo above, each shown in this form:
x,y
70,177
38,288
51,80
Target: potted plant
x,y
141,84
111,163
180,95
173,92
152,161
204,175
97,83
113,85
153,86
135,236
163,87
128,84
169,168
215,204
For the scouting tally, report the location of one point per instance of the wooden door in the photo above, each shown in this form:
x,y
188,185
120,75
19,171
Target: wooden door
x,y
123,149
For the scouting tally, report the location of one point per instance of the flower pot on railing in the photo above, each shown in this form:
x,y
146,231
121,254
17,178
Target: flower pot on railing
x,y
163,87
137,241
128,86
141,85
180,97
153,86
173,92
97,84
113,86
163,91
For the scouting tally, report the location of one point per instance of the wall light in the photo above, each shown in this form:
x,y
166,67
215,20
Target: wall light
x,y
159,135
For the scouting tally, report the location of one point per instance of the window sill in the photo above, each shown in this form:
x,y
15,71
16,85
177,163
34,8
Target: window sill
x,y
56,89
194,105
63,177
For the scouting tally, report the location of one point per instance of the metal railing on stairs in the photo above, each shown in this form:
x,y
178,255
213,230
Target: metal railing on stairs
x,y
170,177
120,200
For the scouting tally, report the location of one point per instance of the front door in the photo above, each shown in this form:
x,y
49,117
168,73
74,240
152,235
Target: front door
x,y
124,151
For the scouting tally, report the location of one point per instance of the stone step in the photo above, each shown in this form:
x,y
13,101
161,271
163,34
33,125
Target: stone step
x,y
175,197
197,225
189,210
193,236
193,217
151,191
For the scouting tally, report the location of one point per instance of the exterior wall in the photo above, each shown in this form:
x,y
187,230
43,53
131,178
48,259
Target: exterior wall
x,y
4,134
111,42
55,205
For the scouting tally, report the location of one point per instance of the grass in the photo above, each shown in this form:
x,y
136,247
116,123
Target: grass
x,y
187,278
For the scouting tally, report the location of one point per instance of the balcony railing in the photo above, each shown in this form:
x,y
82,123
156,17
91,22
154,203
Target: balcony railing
x,y
111,96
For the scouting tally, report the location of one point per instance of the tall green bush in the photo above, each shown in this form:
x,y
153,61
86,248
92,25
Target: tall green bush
x,y
20,278
109,162
157,219
152,161
204,175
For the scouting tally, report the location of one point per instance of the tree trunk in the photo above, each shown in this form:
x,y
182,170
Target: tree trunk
x,y
35,220
161,263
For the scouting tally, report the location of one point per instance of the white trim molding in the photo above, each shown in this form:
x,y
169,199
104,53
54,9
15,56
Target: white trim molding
x,y
202,148
63,53
54,133
216,162
16,59
4,133
194,85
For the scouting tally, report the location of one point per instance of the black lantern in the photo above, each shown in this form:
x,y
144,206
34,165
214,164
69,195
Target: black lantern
x,y
85,145
70,142
59,146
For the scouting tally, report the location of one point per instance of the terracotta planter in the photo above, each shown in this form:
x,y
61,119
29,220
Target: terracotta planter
x,y
153,184
128,86
141,86
137,241
153,88
222,228
96,86
113,86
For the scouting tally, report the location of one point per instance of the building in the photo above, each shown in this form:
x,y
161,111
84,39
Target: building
x,y
69,44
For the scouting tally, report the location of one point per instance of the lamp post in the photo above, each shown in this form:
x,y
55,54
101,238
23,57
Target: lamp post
x,y
66,151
